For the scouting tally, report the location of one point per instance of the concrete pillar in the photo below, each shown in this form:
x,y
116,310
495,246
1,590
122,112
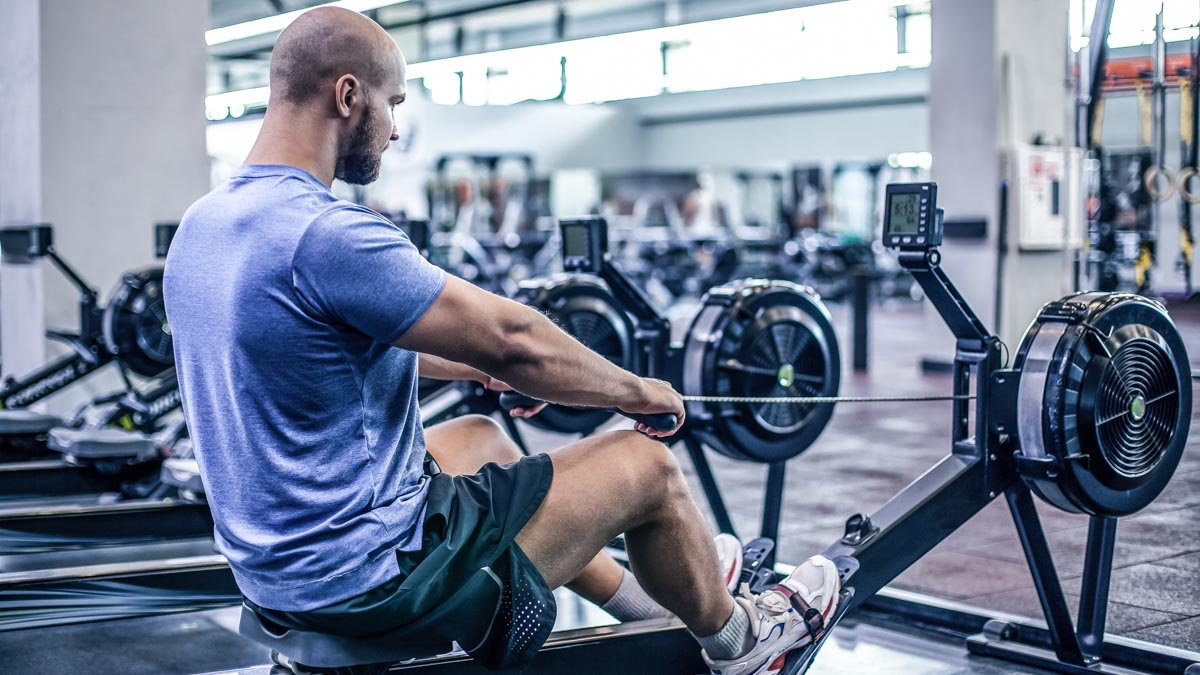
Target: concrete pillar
x,y
998,77
21,298
102,134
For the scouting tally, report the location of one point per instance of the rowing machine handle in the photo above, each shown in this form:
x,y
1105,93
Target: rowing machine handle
x,y
659,421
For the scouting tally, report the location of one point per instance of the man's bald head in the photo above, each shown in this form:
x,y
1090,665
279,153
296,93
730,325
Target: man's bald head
x,y
326,43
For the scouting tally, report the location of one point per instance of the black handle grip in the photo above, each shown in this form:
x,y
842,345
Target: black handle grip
x,y
659,421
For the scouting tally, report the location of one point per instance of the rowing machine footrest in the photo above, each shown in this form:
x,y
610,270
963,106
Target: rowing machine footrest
x,y
322,650
26,422
755,570
95,444
799,661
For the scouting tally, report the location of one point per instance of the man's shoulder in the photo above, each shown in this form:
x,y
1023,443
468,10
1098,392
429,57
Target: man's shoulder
x,y
343,220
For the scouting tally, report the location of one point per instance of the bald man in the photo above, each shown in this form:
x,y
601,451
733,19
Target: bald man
x,y
301,322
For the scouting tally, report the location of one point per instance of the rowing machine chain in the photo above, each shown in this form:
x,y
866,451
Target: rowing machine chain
x,y
823,399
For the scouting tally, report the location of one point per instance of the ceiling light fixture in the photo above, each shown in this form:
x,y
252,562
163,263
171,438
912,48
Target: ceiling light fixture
x,y
276,23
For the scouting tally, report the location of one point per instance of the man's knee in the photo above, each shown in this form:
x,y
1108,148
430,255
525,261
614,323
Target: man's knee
x,y
654,467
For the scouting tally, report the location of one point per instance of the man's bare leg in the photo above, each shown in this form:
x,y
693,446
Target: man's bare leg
x,y
462,445
626,482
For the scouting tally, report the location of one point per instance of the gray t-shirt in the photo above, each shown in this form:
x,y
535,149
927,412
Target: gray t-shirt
x,y
284,301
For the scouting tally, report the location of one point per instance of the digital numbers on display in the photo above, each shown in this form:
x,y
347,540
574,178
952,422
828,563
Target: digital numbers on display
x,y
904,217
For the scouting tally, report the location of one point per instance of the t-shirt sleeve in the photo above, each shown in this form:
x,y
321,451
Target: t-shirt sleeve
x,y
355,267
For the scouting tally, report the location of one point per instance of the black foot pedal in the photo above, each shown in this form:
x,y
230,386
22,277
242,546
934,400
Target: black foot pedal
x,y
755,570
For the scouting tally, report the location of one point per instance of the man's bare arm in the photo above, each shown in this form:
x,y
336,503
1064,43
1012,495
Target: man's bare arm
x,y
437,368
518,345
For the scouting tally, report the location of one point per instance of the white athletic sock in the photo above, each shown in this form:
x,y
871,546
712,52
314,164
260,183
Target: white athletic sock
x,y
733,640
630,602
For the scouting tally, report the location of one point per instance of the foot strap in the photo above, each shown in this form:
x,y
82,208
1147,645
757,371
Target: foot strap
x,y
813,621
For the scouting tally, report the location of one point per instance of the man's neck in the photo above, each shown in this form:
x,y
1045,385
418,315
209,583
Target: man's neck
x,y
296,140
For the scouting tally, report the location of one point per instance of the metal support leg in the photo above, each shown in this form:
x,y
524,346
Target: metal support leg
x,y
709,483
861,313
1097,570
773,502
1045,578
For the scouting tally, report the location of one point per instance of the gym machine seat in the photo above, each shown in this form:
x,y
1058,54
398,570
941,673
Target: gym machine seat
x,y
99,444
26,423
323,650
183,474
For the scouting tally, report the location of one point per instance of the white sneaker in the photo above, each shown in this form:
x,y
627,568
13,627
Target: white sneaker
x,y
729,553
785,618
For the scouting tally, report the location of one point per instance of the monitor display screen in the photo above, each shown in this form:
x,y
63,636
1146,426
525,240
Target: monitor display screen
x,y
575,243
904,214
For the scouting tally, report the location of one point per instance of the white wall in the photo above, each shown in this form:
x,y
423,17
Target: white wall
x,y
21,292
122,131
120,145
559,136
783,124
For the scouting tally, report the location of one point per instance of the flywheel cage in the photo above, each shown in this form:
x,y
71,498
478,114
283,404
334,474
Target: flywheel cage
x,y
1104,400
757,338
584,307
136,330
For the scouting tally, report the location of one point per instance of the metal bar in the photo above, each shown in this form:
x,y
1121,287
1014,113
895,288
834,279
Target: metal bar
x,y
861,314
101,524
30,388
773,503
708,482
1097,59
914,521
1093,595
1045,578
50,477
85,290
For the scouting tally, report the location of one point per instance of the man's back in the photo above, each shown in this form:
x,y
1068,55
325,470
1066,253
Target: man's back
x,y
284,302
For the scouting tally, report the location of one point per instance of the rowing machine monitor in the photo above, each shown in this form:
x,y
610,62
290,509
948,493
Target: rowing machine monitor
x,y
911,218
164,233
23,243
584,245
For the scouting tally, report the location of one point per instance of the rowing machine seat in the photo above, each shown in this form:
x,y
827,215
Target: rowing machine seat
x,y
322,650
91,444
26,422
183,474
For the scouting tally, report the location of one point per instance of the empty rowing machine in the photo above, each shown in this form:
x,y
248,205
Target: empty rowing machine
x,y
772,341
1093,418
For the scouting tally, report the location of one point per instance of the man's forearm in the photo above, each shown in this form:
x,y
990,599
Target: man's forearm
x,y
550,364
437,368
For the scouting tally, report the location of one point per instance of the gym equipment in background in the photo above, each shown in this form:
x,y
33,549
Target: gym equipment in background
x,y
131,330
749,338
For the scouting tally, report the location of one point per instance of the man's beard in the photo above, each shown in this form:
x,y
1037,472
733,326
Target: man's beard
x,y
356,163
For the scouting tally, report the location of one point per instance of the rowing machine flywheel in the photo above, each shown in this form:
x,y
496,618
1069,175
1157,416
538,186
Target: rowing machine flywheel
x,y
1104,403
757,338
135,323
584,307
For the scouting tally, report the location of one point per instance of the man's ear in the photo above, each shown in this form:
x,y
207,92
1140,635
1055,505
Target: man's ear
x,y
346,92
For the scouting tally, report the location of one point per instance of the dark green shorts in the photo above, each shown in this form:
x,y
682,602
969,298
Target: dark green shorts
x,y
470,583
